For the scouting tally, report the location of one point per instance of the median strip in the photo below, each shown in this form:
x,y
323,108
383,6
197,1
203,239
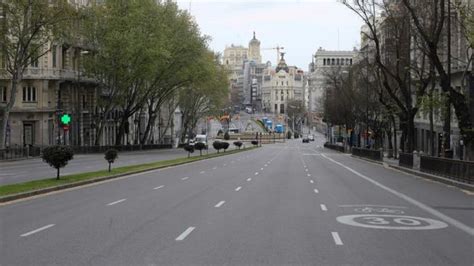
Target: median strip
x,y
32,188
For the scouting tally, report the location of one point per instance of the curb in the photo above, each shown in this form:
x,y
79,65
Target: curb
x,y
28,194
444,180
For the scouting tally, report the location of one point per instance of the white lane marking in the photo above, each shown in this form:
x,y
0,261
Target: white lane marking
x,y
249,179
185,233
306,170
316,191
214,168
237,189
266,165
38,230
256,173
184,178
420,205
323,207
336,238
159,187
115,202
220,204
225,164
309,174
261,169
372,205
202,172
311,181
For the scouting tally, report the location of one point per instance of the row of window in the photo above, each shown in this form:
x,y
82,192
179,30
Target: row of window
x,y
337,61
282,83
29,94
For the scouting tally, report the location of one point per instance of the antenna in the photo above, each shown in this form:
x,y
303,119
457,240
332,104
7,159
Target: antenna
x,y
337,38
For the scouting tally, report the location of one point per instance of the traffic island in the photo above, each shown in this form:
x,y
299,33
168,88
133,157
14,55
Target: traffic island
x,y
13,192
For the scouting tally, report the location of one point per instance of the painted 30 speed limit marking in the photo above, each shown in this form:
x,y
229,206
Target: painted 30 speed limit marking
x,y
392,222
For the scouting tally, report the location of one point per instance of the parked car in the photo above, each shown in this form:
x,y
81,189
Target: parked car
x,y
306,140
311,138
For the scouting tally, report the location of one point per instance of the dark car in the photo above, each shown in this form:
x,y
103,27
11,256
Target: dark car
x,y
305,140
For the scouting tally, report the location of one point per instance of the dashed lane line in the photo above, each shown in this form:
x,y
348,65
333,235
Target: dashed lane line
x,y
184,234
337,238
220,204
323,207
116,202
159,187
238,188
37,230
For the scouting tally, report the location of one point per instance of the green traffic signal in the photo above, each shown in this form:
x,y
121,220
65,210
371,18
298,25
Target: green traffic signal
x,y
65,119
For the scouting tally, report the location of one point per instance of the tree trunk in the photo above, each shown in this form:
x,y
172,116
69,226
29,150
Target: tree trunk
x,y
110,166
16,79
395,149
57,175
432,134
99,132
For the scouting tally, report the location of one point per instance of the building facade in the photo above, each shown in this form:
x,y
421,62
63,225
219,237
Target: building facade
x,y
280,85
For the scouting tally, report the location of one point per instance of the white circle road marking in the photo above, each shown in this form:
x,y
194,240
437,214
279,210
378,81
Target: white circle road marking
x,y
393,222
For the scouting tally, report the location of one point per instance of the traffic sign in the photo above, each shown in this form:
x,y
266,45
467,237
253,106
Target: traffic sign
x,y
65,119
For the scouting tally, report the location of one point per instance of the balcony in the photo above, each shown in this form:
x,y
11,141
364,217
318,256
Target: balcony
x,y
55,74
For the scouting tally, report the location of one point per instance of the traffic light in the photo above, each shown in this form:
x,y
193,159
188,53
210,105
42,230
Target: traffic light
x,y
65,121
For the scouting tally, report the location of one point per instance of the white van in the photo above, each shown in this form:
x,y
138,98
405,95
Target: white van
x,y
201,138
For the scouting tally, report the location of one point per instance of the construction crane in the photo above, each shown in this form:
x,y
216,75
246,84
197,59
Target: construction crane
x,y
277,48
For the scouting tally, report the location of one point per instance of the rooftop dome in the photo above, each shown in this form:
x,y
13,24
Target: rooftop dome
x,y
282,64
254,40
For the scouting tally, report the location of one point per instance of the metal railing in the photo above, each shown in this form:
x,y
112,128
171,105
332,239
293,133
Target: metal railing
x,y
334,147
454,169
13,153
375,155
405,159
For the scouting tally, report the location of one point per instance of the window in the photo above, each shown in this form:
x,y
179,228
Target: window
x,y
337,61
276,96
350,61
282,83
282,97
29,94
324,61
3,94
333,61
282,108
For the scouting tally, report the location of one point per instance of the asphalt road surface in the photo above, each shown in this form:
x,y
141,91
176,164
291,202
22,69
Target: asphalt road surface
x,y
283,204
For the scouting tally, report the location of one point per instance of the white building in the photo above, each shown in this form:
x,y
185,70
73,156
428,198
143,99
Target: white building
x,y
323,61
280,85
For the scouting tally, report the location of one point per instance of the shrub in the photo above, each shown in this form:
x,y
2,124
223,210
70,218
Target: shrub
x,y
57,156
254,142
238,144
200,146
189,149
217,145
288,135
225,145
226,136
297,135
111,155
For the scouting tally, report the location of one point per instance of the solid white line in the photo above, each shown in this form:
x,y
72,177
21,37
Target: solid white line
x,y
237,189
309,174
420,205
316,191
185,234
311,181
159,187
256,173
184,178
249,179
38,230
323,207
336,238
306,170
219,204
115,202
261,169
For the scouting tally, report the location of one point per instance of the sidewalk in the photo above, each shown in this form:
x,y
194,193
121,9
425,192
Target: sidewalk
x,y
393,163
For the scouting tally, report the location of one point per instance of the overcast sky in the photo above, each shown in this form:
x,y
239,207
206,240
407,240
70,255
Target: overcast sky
x,y
301,26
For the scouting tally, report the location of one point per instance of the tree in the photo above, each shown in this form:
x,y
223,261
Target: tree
x,y
432,27
225,145
254,142
200,146
189,148
296,112
27,31
238,144
57,156
226,136
389,35
110,156
217,145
